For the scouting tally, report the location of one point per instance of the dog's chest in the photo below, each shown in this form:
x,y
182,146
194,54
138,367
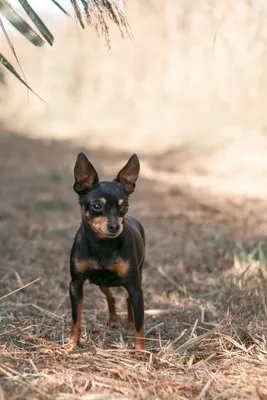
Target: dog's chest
x,y
109,274
117,266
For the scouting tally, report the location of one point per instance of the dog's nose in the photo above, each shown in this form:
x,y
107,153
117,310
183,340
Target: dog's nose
x,y
113,227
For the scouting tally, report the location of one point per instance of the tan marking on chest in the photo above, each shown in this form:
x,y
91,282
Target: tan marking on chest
x,y
85,265
120,268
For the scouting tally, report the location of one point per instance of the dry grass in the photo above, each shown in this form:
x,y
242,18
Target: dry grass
x,y
204,283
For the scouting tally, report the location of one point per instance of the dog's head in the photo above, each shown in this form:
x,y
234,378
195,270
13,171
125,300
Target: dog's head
x,y
104,204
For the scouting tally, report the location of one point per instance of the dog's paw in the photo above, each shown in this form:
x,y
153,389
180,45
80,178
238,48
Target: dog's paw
x,y
69,347
114,323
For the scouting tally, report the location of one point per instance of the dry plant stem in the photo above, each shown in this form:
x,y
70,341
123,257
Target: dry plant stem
x,y
17,290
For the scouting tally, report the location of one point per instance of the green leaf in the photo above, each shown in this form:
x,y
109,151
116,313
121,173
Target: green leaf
x,y
60,7
19,23
11,47
37,22
10,67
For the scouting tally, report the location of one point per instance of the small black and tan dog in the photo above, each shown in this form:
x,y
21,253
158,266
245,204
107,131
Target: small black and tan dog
x,y
109,247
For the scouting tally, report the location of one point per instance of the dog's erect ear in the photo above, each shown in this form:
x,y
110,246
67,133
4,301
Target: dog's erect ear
x,y
84,173
128,174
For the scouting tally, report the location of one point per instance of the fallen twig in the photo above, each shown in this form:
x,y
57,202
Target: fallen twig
x,y
17,290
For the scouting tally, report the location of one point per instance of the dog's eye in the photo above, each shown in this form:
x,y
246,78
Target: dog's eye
x,y
97,207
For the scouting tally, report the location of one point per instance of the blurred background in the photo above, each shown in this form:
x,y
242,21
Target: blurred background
x,y
191,84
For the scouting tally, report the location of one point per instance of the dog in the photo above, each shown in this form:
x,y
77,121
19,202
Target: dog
x,y
109,247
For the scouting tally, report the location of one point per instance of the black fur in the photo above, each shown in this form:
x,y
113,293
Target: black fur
x,y
104,249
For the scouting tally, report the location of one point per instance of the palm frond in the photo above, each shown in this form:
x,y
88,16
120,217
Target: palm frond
x,y
37,22
96,13
60,7
77,10
2,78
11,47
19,23
10,67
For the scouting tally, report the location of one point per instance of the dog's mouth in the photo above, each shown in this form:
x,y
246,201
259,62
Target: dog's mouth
x,y
110,235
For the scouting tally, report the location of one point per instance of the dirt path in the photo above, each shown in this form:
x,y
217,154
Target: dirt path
x,y
197,267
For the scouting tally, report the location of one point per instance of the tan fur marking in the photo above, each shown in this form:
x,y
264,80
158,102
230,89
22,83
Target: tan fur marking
x,y
120,268
76,328
113,318
139,339
130,313
103,200
84,265
120,220
120,202
98,224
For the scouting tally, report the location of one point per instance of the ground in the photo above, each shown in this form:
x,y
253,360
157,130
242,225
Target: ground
x,y
204,286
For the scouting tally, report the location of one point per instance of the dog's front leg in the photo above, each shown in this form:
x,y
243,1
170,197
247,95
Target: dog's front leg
x,y
76,298
137,302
